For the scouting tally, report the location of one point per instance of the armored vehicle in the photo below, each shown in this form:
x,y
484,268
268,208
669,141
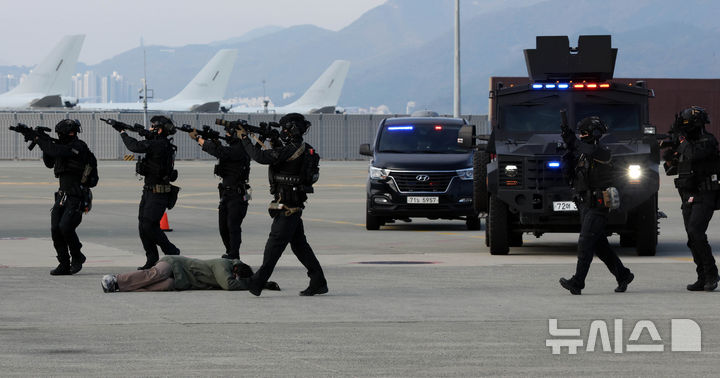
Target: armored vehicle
x,y
519,180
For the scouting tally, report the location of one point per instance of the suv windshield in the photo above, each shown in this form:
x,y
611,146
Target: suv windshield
x,y
420,138
618,117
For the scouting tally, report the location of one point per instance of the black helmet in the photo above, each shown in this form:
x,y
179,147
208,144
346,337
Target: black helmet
x,y
591,128
67,126
164,123
294,123
693,118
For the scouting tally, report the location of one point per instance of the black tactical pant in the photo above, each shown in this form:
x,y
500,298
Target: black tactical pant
x,y
288,229
231,212
696,216
593,242
152,208
65,217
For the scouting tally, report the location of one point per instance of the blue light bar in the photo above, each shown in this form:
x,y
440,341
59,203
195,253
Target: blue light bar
x,y
394,128
563,86
549,86
553,164
537,86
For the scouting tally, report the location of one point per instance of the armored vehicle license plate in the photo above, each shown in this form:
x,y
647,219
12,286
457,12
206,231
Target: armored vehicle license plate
x,y
423,200
564,206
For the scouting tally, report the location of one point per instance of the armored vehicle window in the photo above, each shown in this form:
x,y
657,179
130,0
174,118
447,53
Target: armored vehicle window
x,y
420,138
618,117
531,118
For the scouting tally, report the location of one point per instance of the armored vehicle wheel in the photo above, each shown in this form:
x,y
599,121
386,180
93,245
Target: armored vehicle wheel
x,y
646,231
473,222
480,194
498,227
372,222
516,239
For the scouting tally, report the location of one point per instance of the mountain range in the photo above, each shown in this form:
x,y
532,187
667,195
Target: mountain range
x,y
402,50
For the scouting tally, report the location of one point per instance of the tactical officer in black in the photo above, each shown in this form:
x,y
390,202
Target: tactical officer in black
x,y
158,195
67,156
285,173
234,168
590,171
694,157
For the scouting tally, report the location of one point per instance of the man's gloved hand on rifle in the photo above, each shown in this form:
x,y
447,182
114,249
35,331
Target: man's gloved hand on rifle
x,y
241,132
193,135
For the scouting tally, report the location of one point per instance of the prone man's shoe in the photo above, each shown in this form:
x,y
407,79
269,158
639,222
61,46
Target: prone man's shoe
x,y
570,285
698,285
711,284
77,264
310,291
623,284
109,283
61,270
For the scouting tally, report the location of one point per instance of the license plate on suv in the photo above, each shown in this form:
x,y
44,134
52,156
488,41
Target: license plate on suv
x,y
423,200
564,206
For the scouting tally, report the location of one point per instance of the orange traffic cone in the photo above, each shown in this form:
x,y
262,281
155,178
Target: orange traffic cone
x,y
164,224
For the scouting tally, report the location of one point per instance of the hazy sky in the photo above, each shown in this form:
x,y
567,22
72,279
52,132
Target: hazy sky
x,y
29,29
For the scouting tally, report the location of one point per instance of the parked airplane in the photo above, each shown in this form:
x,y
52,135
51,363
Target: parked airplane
x,y
321,97
202,94
49,82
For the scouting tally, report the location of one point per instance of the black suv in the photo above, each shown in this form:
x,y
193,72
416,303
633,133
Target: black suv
x,y
418,170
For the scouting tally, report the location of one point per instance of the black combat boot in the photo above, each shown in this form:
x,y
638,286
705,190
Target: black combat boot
x,y
711,284
77,263
570,285
316,287
698,285
623,284
61,270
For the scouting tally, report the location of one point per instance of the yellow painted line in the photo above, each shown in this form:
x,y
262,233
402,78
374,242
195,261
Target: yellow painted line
x,y
28,183
682,258
197,194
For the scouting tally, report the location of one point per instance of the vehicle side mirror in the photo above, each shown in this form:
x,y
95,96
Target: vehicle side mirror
x,y
365,149
466,136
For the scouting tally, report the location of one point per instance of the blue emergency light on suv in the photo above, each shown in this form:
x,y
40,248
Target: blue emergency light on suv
x,y
419,171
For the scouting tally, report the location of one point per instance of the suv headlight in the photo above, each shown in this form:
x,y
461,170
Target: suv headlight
x,y
465,174
511,170
634,171
378,173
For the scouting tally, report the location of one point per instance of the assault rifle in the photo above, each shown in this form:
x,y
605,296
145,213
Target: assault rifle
x,y
31,134
266,130
137,128
206,132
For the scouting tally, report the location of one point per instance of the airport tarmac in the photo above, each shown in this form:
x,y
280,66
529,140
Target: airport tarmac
x,y
413,299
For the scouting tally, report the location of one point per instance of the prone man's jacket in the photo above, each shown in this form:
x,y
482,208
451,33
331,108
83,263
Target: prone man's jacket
x,y
196,274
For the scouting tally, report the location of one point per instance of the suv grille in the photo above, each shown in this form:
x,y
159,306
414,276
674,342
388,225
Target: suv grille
x,y
436,182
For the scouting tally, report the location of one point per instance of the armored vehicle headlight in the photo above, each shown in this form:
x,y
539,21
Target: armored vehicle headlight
x,y
378,173
465,174
634,171
511,170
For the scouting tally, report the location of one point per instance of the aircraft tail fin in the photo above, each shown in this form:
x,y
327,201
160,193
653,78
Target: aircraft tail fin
x,y
211,82
52,75
326,90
